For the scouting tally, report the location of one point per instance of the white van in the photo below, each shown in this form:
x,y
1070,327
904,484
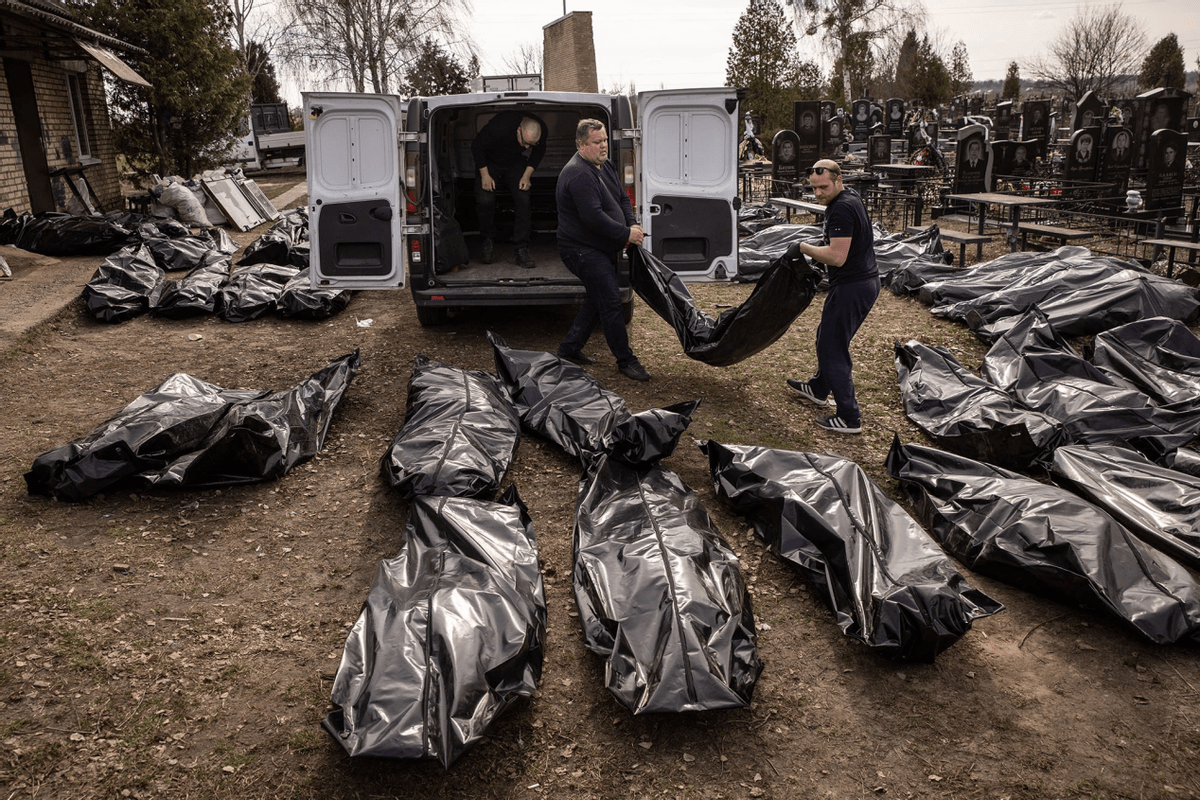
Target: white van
x,y
391,191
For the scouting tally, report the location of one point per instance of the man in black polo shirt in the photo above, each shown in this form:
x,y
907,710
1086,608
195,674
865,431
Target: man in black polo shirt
x,y
507,150
595,220
849,258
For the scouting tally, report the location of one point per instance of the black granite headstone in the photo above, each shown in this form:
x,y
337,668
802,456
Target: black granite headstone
x,y
834,136
1089,112
1157,109
1117,158
895,117
1002,122
860,114
972,163
1004,151
879,150
1193,129
828,109
976,105
1164,175
876,117
785,158
807,119
1035,123
1083,154
1024,155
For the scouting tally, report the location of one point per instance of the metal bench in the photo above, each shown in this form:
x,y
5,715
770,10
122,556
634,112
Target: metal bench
x,y
1056,232
961,239
789,205
1171,245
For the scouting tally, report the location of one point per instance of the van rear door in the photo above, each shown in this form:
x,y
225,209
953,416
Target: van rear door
x,y
688,180
356,208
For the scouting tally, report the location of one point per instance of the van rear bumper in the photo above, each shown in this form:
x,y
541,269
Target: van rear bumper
x,y
449,297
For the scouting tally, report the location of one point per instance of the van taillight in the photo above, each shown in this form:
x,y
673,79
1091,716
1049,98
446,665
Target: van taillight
x,y
414,249
410,181
628,176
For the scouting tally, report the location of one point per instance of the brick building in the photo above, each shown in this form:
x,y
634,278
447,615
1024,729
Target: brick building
x,y
54,127
569,54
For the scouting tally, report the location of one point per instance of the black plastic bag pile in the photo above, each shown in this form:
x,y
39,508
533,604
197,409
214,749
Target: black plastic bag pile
x,y
1047,540
1036,366
757,252
561,402
196,292
755,217
121,287
1081,293
888,583
781,295
646,553
285,242
459,435
661,596
450,635
299,300
894,250
52,233
252,292
190,433
966,414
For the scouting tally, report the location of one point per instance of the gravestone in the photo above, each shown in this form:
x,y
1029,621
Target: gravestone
x,y
895,117
1025,153
879,150
1128,108
1193,129
876,117
976,105
833,133
1083,154
972,160
1089,112
1164,174
860,115
1004,151
1035,124
1117,158
1157,109
807,119
785,163
1002,122
828,109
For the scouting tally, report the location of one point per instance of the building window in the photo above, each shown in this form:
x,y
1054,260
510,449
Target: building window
x,y
78,103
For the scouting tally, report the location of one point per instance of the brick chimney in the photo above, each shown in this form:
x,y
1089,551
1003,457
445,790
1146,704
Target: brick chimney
x,y
569,55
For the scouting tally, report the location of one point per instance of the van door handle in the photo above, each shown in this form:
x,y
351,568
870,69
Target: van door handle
x,y
382,213
653,209
347,218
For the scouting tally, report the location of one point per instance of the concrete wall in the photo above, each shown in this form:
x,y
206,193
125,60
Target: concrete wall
x,y
569,54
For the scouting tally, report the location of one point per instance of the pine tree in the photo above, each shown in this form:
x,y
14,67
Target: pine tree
x,y
764,60
187,121
437,72
1163,65
961,78
931,79
906,63
1012,82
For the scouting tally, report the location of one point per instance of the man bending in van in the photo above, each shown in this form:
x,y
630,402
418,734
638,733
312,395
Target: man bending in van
x,y
595,220
507,150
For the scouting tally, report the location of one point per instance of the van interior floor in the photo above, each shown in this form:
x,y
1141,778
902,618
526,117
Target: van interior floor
x,y
544,250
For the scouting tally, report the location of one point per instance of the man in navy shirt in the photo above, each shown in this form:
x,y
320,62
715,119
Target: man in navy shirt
x,y
507,150
595,220
849,258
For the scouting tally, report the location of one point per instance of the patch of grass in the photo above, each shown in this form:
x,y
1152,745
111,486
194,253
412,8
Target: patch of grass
x,y
37,763
231,671
305,741
13,728
97,610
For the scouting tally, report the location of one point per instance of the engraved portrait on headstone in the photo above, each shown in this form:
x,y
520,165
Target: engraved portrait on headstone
x,y
807,119
1117,157
1002,122
833,137
1081,154
785,149
1003,153
860,112
972,171
828,109
1164,176
1193,129
1035,121
1089,111
1157,109
895,117
879,150
1023,155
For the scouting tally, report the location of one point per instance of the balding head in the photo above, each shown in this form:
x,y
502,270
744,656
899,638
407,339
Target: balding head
x,y
529,131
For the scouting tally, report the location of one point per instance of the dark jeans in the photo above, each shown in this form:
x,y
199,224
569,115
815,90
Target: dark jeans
x,y
845,309
485,204
602,306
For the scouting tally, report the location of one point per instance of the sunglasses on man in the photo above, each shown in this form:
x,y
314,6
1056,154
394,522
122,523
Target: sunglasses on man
x,y
823,170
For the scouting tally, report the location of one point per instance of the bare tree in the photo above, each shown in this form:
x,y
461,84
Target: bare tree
x,y
1094,51
525,60
848,27
368,44
256,33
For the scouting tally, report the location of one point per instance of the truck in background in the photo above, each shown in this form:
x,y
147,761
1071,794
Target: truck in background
x,y
270,142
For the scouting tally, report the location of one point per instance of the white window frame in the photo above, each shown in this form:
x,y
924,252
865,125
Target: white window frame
x,y
75,98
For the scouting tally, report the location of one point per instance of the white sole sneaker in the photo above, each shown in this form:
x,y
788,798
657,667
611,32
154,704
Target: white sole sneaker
x,y
802,390
836,424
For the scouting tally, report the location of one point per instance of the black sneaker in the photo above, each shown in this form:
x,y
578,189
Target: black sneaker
x,y
804,390
634,371
838,425
488,251
580,358
524,260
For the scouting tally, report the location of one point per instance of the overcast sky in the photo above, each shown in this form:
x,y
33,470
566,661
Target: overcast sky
x,y
684,43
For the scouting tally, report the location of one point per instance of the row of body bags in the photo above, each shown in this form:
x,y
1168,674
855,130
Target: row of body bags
x,y
660,592
274,277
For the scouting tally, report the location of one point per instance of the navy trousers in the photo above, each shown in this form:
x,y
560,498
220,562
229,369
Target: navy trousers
x,y
846,307
602,306
485,205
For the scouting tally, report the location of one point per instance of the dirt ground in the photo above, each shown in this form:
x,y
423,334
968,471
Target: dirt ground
x,y
182,644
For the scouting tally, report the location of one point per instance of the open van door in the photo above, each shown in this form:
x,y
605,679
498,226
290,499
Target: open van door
x,y
356,207
689,185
